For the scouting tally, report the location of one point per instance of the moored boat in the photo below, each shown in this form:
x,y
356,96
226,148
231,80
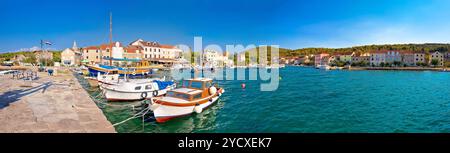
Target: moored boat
x,y
194,96
323,67
136,89
104,69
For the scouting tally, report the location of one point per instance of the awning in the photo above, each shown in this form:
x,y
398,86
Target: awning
x,y
122,59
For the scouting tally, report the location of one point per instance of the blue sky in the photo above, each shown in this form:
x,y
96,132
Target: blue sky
x,y
290,24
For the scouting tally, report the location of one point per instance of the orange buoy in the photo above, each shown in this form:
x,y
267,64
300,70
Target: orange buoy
x,y
243,86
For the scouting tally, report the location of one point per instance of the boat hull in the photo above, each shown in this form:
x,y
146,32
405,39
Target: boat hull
x,y
165,113
93,71
114,95
92,82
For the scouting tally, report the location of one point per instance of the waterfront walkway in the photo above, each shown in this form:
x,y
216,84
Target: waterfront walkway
x,y
49,104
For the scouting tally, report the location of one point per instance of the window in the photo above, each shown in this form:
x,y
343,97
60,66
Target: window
x,y
184,96
96,51
137,88
178,95
96,57
198,96
185,83
148,87
159,50
198,85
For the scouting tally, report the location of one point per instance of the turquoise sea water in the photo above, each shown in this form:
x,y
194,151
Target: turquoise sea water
x,y
318,101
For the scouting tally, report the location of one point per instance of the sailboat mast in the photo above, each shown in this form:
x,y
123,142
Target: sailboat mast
x,y
110,38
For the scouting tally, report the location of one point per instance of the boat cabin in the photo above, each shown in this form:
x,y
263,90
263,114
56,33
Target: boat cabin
x,y
197,83
192,89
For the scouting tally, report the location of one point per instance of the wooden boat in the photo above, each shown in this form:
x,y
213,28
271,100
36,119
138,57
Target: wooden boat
x,y
194,96
138,89
131,72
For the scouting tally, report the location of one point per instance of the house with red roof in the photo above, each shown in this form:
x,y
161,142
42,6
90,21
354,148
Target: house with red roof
x,y
99,54
321,59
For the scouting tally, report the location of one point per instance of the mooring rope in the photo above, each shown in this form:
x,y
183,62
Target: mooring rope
x,y
137,115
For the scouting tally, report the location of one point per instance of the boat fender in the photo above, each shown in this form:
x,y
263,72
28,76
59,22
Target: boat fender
x,y
134,73
155,93
212,90
198,109
154,106
144,95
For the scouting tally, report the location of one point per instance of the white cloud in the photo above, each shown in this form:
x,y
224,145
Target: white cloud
x,y
34,48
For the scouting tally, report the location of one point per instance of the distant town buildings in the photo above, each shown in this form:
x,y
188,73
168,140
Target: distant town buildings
x,y
437,56
71,56
97,54
419,59
133,52
321,59
409,59
346,57
361,58
378,57
383,58
393,57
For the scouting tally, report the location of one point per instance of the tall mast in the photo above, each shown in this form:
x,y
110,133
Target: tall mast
x,y
110,38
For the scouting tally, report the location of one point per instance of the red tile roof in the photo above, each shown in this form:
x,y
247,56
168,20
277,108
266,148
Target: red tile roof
x,y
167,46
91,48
133,49
103,46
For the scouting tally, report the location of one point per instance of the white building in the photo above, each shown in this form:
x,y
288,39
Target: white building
x,y
439,57
212,58
117,51
393,56
101,54
376,58
241,59
228,59
154,50
71,56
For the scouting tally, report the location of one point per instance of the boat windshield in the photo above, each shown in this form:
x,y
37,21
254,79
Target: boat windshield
x,y
198,96
178,95
186,84
197,85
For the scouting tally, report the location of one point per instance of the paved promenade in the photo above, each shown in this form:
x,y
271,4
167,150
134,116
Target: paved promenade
x,y
55,104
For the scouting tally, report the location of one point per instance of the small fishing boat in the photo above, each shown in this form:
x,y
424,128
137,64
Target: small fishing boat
x,y
136,89
95,81
323,67
194,96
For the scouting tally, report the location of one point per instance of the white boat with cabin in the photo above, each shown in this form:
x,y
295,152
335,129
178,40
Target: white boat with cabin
x,y
137,89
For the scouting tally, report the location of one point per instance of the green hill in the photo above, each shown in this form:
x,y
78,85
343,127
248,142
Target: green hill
x,y
425,48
